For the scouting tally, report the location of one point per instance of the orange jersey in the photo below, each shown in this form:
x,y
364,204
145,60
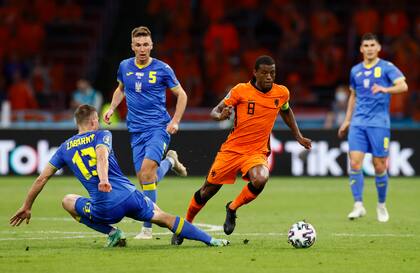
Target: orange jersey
x,y
255,114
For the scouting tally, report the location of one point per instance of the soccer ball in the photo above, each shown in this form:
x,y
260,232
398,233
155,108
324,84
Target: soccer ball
x,y
301,235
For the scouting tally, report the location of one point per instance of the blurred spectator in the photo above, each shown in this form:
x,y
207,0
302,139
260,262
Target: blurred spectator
x,y
5,36
30,35
46,10
335,117
395,23
299,91
365,19
226,80
13,64
324,25
213,9
189,75
3,91
291,22
20,94
56,76
225,35
69,11
406,53
86,94
40,81
327,62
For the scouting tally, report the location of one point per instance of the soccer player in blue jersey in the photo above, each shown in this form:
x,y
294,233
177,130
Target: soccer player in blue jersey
x,y
90,157
372,82
143,80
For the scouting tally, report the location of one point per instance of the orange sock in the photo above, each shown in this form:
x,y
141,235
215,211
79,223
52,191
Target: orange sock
x,y
193,209
243,198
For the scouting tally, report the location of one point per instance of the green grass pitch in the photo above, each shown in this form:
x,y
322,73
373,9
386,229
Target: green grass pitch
x,y
53,242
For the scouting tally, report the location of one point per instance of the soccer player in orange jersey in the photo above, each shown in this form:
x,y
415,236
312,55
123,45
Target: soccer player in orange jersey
x,y
256,105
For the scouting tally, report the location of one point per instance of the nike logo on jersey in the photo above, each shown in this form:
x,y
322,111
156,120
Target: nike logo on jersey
x,y
359,74
129,73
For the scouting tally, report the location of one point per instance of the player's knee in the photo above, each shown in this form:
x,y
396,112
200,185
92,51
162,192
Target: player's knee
x,y
206,192
355,164
259,180
68,201
147,176
380,167
163,219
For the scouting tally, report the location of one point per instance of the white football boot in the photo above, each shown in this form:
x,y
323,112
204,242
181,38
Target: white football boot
x,y
145,234
382,212
358,211
177,166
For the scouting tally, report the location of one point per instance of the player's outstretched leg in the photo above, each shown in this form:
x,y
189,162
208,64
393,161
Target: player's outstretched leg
x,y
198,201
184,228
177,166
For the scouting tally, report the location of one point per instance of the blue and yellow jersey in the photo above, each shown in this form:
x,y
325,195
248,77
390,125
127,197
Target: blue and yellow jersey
x,y
78,153
145,91
372,109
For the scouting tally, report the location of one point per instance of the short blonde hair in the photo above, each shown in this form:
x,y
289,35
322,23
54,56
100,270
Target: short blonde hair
x,y
141,31
83,113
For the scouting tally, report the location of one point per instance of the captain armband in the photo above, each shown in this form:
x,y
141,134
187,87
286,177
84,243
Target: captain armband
x,y
285,107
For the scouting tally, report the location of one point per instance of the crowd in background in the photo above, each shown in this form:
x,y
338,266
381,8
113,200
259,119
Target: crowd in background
x,y
212,45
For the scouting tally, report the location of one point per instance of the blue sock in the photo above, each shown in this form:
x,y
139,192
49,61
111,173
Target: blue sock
x,y
187,230
102,228
149,189
381,186
164,167
356,184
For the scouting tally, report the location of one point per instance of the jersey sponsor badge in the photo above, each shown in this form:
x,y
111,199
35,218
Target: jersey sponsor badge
x,y
139,75
386,143
377,72
138,87
107,140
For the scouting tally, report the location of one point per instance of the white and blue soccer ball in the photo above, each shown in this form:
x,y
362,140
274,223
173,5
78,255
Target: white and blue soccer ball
x,y
301,235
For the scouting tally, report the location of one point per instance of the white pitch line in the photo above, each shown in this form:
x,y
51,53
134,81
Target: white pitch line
x,y
82,235
373,235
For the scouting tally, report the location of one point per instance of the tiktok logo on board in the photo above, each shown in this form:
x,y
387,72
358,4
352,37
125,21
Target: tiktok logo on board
x,y
321,160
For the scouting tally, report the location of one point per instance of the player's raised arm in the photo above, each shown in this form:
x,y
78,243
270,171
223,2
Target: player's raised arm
x,y
181,104
288,117
117,98
25,211
221,111
342,131
102,164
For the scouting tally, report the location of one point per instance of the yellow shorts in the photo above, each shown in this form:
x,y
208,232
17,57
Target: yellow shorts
x,y
226,166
